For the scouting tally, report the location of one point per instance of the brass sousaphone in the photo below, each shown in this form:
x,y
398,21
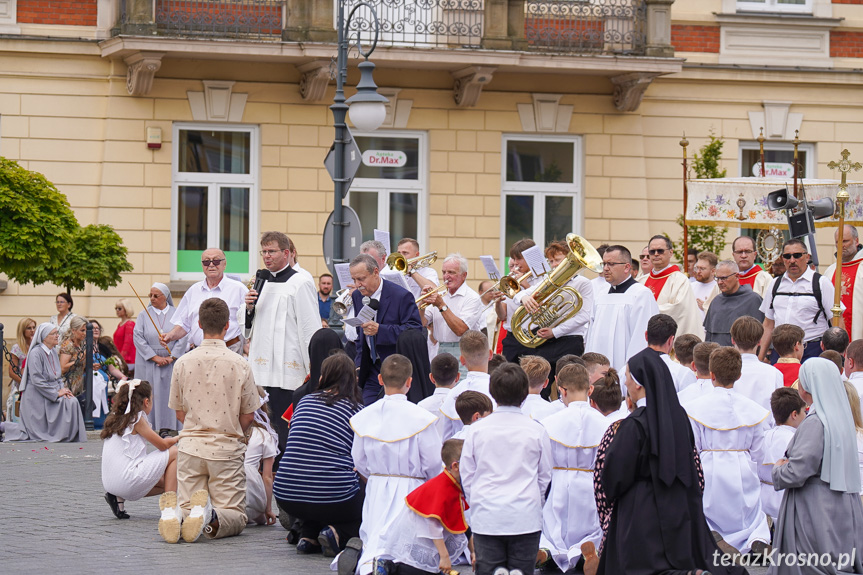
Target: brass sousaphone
x,y
558,302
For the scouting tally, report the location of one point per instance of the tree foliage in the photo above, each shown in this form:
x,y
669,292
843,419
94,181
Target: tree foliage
x,y
705,238
41,240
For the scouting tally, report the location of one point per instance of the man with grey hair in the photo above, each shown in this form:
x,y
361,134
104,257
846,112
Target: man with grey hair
x,y
378,251
396,312
455,311
852,291
734,300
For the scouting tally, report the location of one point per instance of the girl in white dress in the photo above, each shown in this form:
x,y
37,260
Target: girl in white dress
x,y
261,448
128,471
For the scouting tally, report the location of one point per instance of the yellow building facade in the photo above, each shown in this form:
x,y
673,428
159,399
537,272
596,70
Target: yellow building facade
x,y
499,138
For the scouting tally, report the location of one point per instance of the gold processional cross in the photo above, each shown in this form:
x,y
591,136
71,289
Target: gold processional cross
x,y
844,166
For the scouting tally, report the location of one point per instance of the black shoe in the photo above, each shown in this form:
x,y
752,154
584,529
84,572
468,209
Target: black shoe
x,y
306,547
349,558
329,545
115,506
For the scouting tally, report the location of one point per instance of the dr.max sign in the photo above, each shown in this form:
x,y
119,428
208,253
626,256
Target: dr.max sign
x,y
385,158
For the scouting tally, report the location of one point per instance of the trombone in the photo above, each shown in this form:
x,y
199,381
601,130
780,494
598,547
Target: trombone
x,y
343,302
421,300
408,266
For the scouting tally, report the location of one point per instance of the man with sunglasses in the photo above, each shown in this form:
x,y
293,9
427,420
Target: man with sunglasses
x,y
672,289
852,285
795,298
734,300
214,284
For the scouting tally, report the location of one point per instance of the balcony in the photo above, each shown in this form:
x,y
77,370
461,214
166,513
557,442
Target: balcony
x,y
628,41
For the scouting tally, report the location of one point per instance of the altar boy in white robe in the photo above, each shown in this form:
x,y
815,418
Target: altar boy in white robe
x,y
569,518
475,354
396,447
789,411
729,435
701,363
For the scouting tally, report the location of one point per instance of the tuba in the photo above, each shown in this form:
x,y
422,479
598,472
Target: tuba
x,y
408,266
343,302
558,302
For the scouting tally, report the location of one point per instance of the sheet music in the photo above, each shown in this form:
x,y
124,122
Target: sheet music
x,y
396,278
365,314
490,267
343,271
536,261
383,237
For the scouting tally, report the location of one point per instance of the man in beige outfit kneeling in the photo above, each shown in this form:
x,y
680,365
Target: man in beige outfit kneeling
x,y
214,394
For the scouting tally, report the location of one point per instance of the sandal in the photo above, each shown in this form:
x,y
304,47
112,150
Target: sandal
x,y
115,506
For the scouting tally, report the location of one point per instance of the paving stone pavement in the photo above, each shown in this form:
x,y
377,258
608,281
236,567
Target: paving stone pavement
x,y
55,520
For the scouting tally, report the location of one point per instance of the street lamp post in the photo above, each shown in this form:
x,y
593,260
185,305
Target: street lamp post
x,y
367,109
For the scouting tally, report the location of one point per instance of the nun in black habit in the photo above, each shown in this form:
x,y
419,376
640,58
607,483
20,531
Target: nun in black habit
x,y
649,484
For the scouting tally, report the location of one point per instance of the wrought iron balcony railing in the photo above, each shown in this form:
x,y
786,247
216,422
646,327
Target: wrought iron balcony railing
x,y
587,26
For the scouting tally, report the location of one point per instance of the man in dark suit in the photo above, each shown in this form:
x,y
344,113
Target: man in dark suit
x,y
396,312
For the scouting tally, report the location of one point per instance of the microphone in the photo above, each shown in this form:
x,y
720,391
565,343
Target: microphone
x,y
260,279
367,300
372,303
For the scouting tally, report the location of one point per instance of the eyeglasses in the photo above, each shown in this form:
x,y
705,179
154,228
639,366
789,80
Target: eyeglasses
x,y
266,253
743,252
656,252
612,264
796,255
645,257
119,308
723,278
207,263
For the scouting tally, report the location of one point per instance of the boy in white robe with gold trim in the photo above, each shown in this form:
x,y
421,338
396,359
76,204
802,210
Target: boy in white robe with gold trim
x,y
397,448
789,411
569,517
475,354
729,433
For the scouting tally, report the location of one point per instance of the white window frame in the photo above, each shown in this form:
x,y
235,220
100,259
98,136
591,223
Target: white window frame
x,y
809,148
539,190
214,181
384,186
773,6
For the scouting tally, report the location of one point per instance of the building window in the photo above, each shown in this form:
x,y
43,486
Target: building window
x,y
389,190
786,6
542,189
778,160
215,197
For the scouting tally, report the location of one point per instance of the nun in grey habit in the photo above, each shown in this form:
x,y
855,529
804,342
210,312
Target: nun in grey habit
x,y
49,411
153,363
821,513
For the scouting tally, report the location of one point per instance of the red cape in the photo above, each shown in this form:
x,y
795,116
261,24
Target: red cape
x,y
442,498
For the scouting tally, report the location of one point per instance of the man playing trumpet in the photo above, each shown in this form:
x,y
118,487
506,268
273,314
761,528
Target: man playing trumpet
x,y
454,311
417,278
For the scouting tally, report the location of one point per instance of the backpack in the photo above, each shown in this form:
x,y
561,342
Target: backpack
x,y
816,293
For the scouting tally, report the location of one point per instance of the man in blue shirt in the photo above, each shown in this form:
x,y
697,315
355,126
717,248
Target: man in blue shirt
x,y
325,302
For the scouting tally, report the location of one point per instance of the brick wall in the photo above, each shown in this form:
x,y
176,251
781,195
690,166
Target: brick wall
x,y
68,12
847,1
686,38
846,44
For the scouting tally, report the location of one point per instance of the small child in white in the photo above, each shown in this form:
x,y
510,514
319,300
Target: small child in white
x,y
471,406
537,369
570,524
444,375
428,534
701,365
789,411
128,471
261,449
505,470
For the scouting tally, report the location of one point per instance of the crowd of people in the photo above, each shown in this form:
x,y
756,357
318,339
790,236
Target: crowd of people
x,y
669,424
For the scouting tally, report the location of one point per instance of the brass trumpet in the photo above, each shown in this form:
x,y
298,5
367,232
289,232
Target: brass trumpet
x,y
408,266
424,304
343,302
508,285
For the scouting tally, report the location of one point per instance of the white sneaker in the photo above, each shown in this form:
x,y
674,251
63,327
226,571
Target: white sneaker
x,y
172,517
501,571
199,516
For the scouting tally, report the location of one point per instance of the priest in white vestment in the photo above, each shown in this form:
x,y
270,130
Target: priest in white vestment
x,y
852,285
702,280
620,313
569,517
729,434
672,289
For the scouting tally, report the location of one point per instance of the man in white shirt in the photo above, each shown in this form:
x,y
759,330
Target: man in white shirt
x,y
703,282
419,278
280,322
757,380
621,314
852,285
455,311
672,289
215,284
506,307
854,366
794,298
660,337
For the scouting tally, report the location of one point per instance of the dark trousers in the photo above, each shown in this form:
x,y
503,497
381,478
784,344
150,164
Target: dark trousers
x,y
345,517
404,569
551,350
280,400
811,349
510,551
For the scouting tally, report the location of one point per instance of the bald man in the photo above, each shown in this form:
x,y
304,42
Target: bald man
x,y
852,292
214,284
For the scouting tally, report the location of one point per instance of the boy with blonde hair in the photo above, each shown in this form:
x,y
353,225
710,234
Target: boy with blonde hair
x,y
537,369
384,433
475,354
